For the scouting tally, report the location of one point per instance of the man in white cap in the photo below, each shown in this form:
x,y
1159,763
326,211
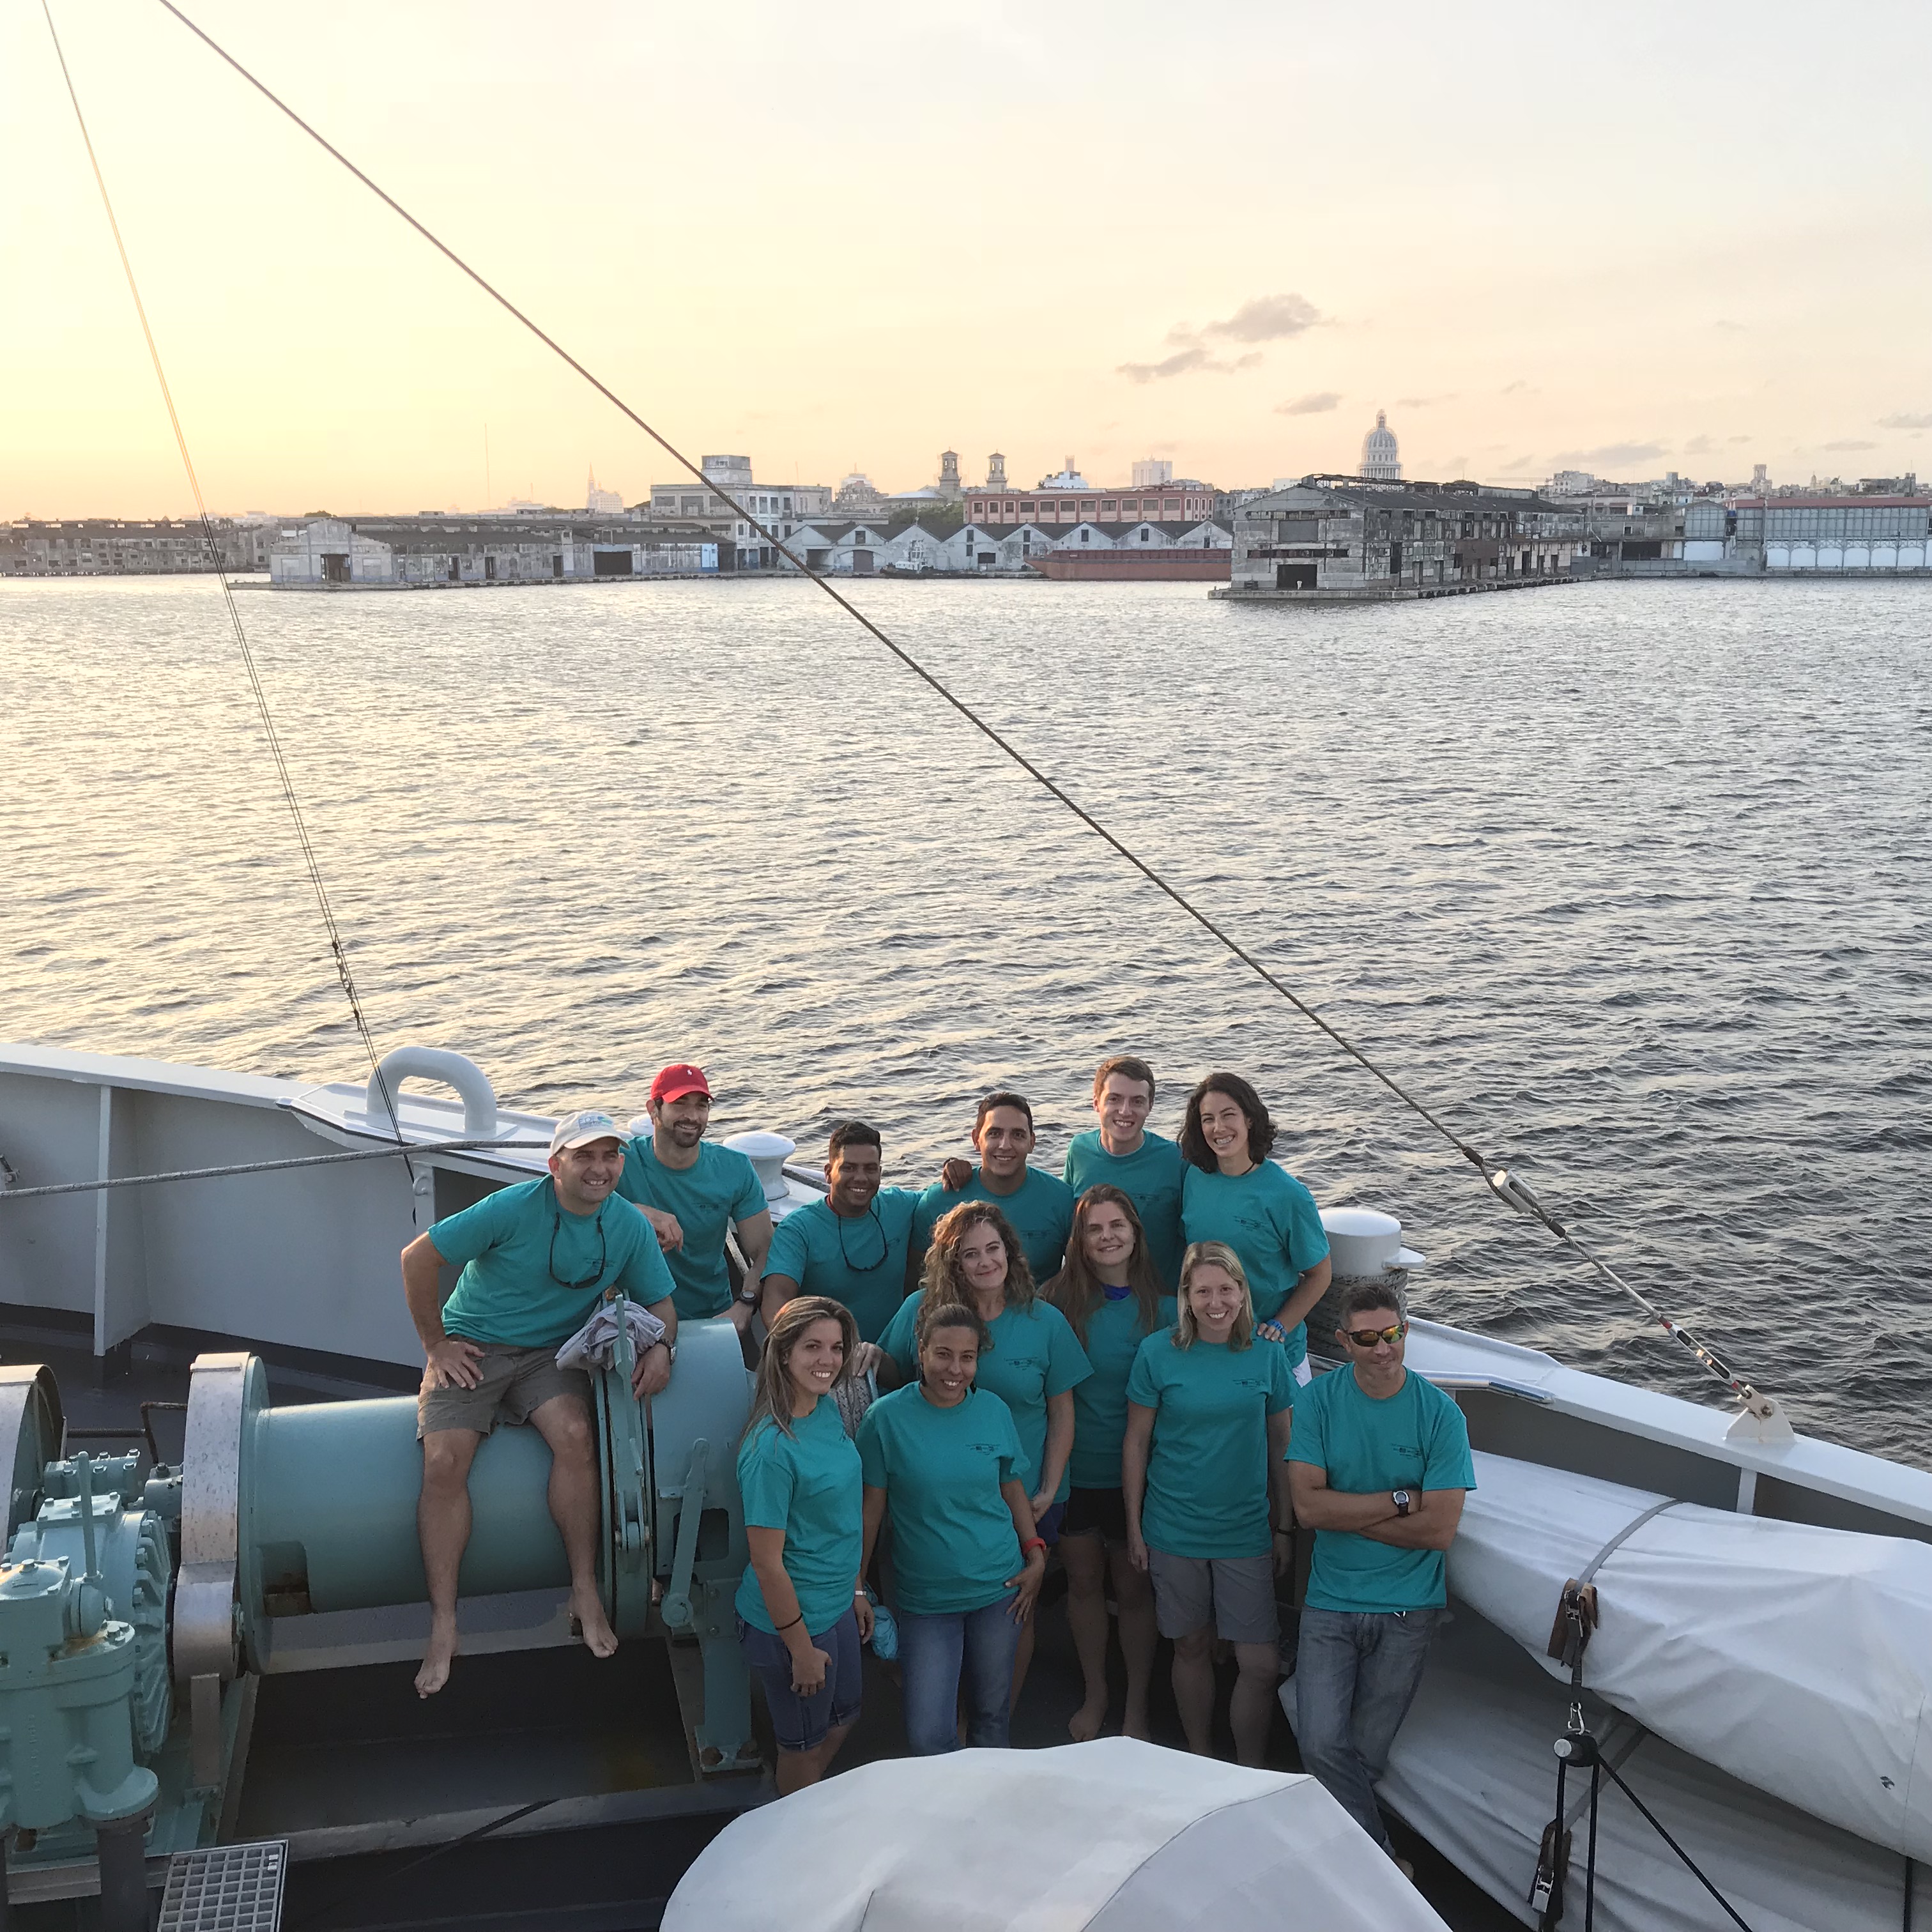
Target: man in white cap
x,y
536,1259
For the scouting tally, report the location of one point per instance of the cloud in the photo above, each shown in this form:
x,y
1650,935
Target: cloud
x,y
1905,422
1423,402
1260,319
1849,443
1613,455
1317,403
1699,445
1732,328
1737,439
1518,462
1511,388
1186,362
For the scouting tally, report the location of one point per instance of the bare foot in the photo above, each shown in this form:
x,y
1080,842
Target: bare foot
x,y
1083,1726
1135,1723
438,1658
592,1625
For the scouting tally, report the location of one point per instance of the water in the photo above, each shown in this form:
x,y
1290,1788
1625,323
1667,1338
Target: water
x,y
1631,881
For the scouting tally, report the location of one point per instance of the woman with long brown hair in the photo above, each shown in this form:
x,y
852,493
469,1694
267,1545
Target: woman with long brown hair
x,y
1111,1294
802,1613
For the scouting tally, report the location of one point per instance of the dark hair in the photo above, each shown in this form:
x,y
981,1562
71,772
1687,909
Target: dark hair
x,y
1260,1129
943,1279
1000,1096
852,1133
1128,1068
1076,1290
1367,1294
935,1315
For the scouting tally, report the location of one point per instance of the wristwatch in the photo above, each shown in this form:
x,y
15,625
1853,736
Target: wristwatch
x,y
1402,1500
751,1292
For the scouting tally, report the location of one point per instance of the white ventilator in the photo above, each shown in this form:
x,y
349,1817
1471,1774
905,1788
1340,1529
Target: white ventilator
x,y
1113,1836
1798,1659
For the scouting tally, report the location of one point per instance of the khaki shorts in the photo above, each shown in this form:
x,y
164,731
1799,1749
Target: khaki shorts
x,y
515,1383
1235,1593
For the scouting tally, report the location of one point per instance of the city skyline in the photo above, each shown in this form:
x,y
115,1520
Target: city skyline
x,y
991,233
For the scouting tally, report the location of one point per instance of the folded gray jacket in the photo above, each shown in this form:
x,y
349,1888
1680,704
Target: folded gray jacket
x,y
594,1344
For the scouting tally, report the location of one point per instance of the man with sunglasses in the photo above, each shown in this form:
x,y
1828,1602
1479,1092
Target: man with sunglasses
x,y
852,1246
536,1258
1379,1466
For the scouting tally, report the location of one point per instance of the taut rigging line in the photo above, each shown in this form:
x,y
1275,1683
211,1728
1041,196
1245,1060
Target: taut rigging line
x,y
1500,1181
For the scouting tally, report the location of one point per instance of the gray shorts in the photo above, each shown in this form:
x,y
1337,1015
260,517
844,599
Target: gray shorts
x,y
1235,1594
515,1383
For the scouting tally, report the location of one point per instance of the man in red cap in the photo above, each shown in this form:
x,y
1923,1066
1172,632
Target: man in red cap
x,y
703,1188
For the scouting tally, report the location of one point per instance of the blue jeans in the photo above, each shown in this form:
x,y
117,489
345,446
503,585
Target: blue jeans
x,y
1355,1676
803,1723
933,1652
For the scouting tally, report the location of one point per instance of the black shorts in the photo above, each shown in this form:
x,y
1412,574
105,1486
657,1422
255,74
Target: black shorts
x,y
1102,1513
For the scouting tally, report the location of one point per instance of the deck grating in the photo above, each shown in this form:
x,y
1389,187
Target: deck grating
x,y
225,1888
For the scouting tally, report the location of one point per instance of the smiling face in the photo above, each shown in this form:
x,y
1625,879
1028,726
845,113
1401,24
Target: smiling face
x,y
1123,1106
947,1360
1214,1296
1107,1238
816,1358
682,1121
1004,1139
982,1259
585,1175
852,1175
1224,1128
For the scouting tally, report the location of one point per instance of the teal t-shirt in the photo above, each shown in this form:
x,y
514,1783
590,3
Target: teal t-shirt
x,y
808,1484
1414,1439
954,1544
1150,1177
861,1261
1041,1210
531,1271
1271,1220
720,1188
1114,1336
1208,1470
1034,1356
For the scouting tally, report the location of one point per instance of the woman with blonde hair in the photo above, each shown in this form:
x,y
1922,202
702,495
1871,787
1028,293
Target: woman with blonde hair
x,y
943,1455
1032,1362
1207,1427
802,1613
1110,1292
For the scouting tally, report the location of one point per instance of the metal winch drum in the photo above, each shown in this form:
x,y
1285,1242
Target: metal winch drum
x,y
135,1606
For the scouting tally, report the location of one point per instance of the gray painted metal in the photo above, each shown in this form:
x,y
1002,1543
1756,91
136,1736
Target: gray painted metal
x,y
227,1888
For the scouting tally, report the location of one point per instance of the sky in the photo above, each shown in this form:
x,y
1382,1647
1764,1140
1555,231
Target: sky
x,y
832,238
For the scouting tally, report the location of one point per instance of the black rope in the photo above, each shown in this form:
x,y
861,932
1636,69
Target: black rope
x,y
389,1878
337,951
1520,1199
255,1167
1690,1863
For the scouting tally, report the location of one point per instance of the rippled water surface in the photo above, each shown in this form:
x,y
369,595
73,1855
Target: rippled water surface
x,y
1632,881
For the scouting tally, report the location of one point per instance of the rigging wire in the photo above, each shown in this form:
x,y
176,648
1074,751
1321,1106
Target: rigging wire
x,y
312,864
1511,1191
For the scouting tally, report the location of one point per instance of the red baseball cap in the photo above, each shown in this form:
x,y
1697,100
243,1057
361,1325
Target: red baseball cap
x,y
675,1082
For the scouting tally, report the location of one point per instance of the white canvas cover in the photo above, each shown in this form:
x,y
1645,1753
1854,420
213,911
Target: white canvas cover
x,y
1113,1836
1797,1658
1473,1770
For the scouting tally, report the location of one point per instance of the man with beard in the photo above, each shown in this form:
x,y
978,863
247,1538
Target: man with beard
x,y
699,1188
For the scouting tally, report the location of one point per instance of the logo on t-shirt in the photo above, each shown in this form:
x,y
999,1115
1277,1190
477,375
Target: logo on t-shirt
x,y
986,1448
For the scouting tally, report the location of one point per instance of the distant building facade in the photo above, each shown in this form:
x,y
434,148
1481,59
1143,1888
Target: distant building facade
x,y
1058,504
1382,457
780,507
1152,471
1861,534
437,552
108,547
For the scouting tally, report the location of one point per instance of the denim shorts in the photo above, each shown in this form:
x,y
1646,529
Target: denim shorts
x,y
803,1723
1046,1525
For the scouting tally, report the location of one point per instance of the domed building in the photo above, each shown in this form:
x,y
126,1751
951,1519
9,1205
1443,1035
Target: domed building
x,y
1381,460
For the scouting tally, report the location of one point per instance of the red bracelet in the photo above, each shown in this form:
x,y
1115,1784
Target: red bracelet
x,y
1032,1543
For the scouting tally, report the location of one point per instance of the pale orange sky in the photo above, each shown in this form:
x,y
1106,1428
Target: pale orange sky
x,y
1668,237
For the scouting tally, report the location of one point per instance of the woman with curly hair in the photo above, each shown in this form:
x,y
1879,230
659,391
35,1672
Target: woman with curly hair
x,y
1032,1362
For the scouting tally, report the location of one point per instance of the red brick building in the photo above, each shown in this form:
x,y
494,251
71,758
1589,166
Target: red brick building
x,y
1179,503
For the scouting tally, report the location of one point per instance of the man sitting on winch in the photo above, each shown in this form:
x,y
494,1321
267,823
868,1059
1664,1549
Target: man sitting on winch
x,y
537,1258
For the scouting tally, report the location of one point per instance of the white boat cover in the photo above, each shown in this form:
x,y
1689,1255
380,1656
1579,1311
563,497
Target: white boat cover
x,y
1796,1658
1112,1836
1473,1770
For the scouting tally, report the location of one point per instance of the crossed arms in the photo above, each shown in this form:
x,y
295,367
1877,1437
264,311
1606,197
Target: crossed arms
x,y
1430,1523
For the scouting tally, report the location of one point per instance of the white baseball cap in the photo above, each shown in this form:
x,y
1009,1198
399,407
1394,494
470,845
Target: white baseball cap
x,y
576,1130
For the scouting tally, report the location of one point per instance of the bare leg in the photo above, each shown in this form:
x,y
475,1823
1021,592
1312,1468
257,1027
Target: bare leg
x,y
797,1769
1133,1599
1251,1708
1085,1557
443,1524
564,1423
1194,1687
